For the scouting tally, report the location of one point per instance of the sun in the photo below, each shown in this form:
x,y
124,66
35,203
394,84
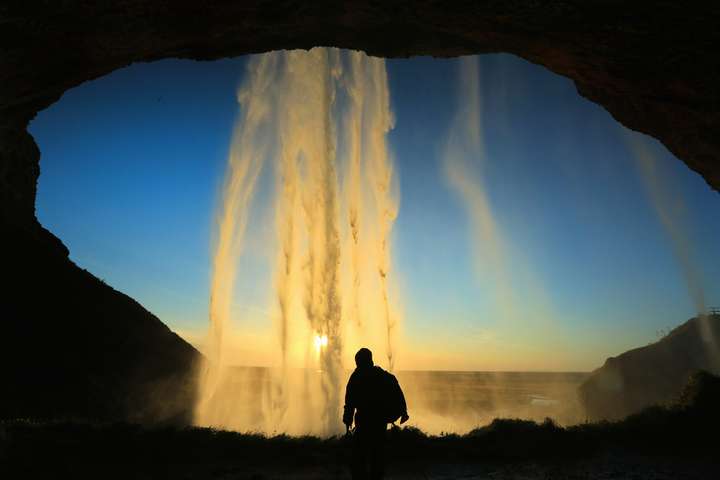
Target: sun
x,y
320,342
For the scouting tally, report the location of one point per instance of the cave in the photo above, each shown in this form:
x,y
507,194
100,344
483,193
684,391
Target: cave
x,y
652,67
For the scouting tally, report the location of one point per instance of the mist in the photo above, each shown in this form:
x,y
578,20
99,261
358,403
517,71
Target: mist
x,y
672,213
464,156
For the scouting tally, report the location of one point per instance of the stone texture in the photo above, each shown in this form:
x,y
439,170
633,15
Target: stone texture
x,y
653,65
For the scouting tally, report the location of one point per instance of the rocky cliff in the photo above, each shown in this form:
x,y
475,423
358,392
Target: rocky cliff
x,y
73,347
654,374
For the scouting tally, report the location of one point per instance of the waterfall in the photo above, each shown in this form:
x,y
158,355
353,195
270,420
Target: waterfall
x,y
320,120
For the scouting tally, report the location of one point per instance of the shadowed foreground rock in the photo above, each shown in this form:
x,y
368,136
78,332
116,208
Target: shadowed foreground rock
x,y
654,374
72,347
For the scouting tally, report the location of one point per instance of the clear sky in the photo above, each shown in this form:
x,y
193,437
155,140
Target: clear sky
x,y
132,163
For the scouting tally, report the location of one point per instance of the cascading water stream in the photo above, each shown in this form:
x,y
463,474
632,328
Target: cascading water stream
x,y
321,119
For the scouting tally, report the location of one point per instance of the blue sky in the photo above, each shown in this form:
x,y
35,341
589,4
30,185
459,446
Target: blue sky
x,y
132,163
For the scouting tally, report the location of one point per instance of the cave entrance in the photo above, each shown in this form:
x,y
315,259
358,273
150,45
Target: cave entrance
x,y
556,230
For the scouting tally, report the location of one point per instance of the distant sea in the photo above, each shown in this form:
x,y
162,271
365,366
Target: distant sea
x,y
457,402
461,401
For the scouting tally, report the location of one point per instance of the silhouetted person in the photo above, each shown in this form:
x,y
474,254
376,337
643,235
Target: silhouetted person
x,y
373,398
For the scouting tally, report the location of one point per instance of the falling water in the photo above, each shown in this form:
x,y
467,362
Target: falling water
x,y
244,165
672,213
523,312
321,119
465,160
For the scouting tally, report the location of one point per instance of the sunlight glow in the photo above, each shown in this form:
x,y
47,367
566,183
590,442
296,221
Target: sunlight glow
x,y
320,342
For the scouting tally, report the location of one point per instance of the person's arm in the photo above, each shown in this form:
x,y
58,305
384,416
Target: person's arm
x,y
404,417
349,410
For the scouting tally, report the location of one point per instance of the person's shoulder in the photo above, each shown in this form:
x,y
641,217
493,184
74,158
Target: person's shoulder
x,y
358,373
379,371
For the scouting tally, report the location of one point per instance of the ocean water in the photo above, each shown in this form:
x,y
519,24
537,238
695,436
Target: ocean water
x,y
457,402
438,401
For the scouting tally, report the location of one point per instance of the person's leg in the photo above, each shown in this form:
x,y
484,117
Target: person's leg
x,y
377,452
360,455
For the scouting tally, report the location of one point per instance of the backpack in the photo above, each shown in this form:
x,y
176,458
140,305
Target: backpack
x,y
392,398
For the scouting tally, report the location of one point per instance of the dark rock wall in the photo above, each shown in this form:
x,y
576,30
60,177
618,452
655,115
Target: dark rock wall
x,y
654,374
19,170
652,64
73,347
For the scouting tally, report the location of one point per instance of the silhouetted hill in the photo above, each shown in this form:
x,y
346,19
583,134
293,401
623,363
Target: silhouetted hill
x,y
73,347
653,374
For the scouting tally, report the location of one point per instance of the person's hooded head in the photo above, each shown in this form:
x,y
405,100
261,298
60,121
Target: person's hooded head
x,y
363,358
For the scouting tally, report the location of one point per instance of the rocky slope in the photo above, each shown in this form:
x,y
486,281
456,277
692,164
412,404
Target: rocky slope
x,y
72,347
654,374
